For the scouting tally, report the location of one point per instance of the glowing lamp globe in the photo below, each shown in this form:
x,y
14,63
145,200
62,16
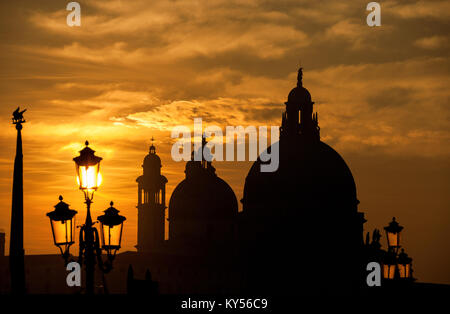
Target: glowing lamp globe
x,y
88,171
111,230
404,265
62,221
389,266
393,234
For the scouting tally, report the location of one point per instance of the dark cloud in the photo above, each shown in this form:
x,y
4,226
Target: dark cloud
x,y
391,97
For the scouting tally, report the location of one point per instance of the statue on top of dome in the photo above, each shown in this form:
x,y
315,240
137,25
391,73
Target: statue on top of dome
x,y
303,98
204,165
300,77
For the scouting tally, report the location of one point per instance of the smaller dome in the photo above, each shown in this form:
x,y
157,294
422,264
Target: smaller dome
x,y
203,198
152,177
152,160
202,211
202,194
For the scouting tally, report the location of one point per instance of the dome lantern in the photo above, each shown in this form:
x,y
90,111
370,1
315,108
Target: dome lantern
x,y
299,101
152,148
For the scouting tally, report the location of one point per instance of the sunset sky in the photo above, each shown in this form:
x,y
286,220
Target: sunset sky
x,y
135,69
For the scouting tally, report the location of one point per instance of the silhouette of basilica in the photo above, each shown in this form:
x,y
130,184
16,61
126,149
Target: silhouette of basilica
x,y
299,231
296,225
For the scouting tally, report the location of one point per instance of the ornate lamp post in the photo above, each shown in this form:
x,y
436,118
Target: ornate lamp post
x,y
62,220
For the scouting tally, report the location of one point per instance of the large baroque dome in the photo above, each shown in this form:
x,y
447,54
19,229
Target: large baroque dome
x,y
311,175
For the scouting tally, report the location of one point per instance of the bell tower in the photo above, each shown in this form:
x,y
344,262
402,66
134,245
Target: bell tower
x,y
151,204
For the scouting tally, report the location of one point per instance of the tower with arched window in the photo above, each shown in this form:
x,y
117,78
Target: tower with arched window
x,y
151,204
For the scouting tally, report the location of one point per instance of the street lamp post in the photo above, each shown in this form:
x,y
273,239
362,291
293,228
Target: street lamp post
x,y
62,220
